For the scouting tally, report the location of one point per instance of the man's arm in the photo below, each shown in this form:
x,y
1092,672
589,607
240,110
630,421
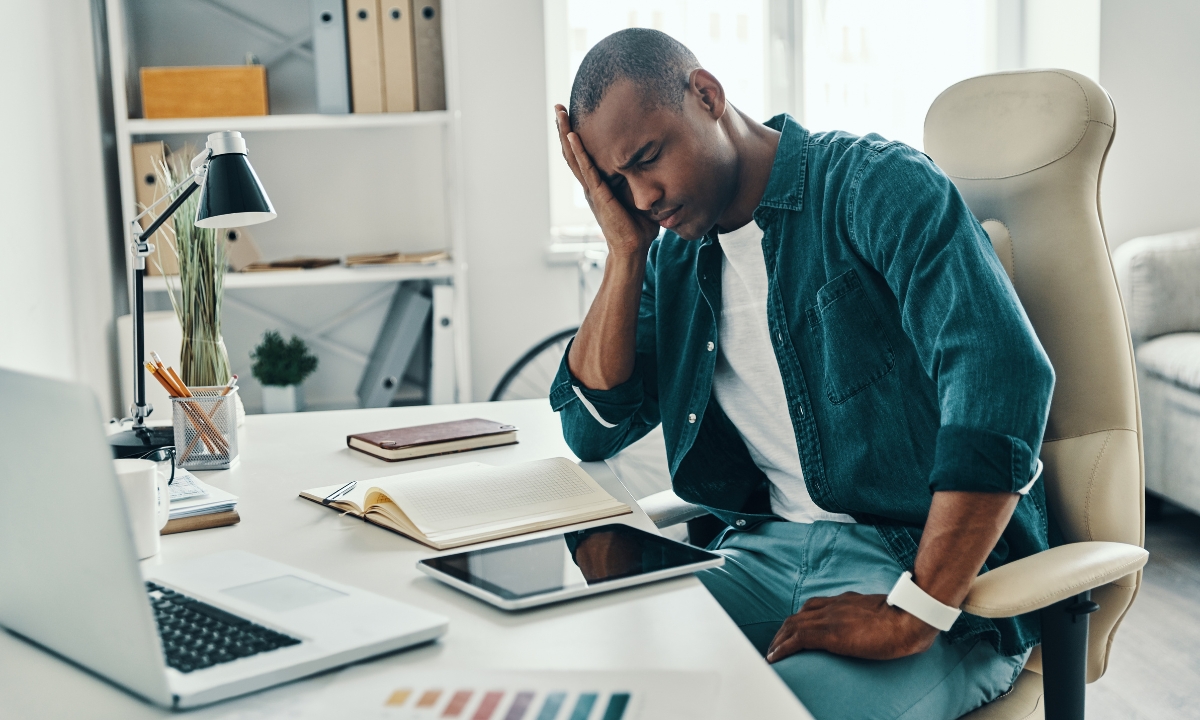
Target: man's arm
x,y
994,384
962,529
604,389
602,355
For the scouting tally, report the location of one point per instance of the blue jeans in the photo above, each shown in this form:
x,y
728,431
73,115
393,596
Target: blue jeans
x,y
772,569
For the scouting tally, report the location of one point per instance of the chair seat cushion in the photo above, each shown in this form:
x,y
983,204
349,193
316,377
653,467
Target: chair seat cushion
x,y
1174,358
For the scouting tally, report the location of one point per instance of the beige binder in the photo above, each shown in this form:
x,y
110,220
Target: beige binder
x,y
427,50
148,157
399,81
240,249
366,66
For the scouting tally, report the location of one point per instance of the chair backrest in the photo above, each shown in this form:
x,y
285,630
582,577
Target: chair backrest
x,y
1026,150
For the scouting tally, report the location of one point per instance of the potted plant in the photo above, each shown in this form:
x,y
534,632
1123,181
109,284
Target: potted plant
x,y
281,366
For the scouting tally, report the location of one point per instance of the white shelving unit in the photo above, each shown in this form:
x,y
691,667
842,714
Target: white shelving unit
x,y
306,121
336,275
453,272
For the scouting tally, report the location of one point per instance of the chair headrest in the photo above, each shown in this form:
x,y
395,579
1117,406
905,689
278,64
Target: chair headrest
x,y
1007,124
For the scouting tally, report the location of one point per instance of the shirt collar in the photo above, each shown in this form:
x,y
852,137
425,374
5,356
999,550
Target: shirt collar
x,y
785,188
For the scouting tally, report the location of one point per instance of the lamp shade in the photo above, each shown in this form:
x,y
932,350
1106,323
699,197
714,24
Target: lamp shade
x,y
232,195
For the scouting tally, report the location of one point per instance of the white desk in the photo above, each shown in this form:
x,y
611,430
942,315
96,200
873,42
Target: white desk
x,y
673,625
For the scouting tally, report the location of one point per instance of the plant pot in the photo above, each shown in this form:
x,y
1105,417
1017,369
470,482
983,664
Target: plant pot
x,y
281,398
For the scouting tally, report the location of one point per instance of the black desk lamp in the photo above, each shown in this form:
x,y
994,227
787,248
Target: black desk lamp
x,y
230,196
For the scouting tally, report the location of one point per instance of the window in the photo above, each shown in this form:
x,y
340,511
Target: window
x,y
875,66
864,66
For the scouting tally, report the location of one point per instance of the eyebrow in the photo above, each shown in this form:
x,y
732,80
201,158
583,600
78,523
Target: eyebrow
x,y
636,157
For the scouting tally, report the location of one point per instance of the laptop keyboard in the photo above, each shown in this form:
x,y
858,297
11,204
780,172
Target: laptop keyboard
x,y
196,635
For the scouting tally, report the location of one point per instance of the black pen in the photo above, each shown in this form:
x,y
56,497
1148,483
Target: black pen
x,y
339,492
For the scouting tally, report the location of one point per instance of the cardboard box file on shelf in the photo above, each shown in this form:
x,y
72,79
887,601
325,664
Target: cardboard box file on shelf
x,y
216,91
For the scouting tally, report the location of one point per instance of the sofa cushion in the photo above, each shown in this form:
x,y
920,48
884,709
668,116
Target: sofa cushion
x,y
1174,358
1158,278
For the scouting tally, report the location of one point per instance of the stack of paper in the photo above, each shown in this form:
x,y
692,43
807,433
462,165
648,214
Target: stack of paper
x,y
190,497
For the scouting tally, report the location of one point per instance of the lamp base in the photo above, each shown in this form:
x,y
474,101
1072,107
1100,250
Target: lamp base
x,y
140,441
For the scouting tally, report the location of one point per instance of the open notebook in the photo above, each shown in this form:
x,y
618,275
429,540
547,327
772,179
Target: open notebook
x,y
469,503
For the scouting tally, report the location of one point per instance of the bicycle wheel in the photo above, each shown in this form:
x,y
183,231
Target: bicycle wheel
x,y
530,377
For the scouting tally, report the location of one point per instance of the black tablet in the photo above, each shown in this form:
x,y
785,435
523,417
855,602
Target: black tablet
x,y
560,567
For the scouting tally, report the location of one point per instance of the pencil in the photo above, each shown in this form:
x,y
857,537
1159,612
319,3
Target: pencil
x,y
209,434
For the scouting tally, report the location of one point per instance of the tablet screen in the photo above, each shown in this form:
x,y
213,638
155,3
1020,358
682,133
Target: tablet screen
x,y
562,562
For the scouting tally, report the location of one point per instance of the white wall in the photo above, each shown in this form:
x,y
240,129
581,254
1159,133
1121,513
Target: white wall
x,y
1150,64
55,298
1063,34
516,299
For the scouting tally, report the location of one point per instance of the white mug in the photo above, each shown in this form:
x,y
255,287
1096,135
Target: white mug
x,y
148,500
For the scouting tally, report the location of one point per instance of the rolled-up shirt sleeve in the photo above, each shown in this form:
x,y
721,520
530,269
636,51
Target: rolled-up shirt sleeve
x,y
959,308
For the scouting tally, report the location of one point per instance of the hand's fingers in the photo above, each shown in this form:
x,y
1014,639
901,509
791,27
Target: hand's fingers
x,y
590,177
564,128
789,641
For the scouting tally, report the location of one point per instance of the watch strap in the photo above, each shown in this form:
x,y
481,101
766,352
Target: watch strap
x,y
916,602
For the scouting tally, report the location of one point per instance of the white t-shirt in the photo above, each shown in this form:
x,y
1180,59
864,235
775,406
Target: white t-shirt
x,y
747,382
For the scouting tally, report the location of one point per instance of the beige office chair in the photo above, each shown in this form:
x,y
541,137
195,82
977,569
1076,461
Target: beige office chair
x,y
1026,150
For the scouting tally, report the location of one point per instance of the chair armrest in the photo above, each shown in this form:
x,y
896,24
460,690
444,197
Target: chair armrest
x,y
1043,579
666,509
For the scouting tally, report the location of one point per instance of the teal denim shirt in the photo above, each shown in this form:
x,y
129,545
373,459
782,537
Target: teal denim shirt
x,y
909,365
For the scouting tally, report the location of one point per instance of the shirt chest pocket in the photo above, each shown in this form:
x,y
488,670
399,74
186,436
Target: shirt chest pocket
x,y
854,349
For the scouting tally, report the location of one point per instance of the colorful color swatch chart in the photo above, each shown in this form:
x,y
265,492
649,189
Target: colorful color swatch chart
x,y
371,692
513,703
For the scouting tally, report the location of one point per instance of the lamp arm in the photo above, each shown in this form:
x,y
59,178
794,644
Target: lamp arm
x,y
166,195
140,249
166,214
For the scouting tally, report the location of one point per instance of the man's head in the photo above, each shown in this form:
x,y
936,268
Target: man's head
x,y
651,119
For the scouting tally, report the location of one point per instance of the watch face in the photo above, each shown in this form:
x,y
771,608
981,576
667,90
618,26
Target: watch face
x,y
579,559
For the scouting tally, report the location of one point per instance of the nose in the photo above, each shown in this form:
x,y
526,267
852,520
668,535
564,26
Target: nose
x,y
645,193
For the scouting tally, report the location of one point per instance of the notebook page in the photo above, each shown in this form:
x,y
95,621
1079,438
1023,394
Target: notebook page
x,y
474,494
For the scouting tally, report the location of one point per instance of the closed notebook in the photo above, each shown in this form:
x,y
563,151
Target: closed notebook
x,y
462,504
437,439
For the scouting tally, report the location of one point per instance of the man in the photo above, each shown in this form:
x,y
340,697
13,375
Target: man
x,y
843,372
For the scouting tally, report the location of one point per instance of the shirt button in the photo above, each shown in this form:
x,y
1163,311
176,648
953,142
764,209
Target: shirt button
x,y
740,523
711,346
779,338
691,417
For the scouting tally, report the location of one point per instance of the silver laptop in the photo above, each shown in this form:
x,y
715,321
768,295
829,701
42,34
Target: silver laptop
x,y
186,634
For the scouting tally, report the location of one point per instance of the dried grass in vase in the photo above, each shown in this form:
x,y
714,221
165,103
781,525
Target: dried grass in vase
x,y
202,265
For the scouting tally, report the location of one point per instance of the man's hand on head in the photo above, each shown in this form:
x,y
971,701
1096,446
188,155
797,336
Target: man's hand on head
x,y
628,232
861,626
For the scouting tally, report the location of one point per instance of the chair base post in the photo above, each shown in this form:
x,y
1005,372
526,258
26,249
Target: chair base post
x,y
1064,655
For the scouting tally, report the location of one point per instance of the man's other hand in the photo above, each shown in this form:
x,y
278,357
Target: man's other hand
x,y
627,232
861,626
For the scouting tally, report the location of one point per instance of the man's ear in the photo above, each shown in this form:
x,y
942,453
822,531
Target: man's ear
x,y
709,91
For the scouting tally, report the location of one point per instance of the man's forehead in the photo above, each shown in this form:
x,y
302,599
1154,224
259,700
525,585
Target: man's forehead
x,y
622,124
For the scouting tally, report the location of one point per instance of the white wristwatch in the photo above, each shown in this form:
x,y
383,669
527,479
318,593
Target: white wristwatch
x,y
915,601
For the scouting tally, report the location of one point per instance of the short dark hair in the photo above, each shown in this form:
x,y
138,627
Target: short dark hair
x,y
657,63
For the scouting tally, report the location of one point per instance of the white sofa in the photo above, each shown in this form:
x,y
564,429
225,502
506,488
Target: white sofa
x,y
1160,283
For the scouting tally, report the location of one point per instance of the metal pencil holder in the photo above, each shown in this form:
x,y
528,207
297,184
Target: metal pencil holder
x,y
205,428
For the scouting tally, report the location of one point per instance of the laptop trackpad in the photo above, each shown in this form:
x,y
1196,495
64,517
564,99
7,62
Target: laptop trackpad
x,y
283,593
